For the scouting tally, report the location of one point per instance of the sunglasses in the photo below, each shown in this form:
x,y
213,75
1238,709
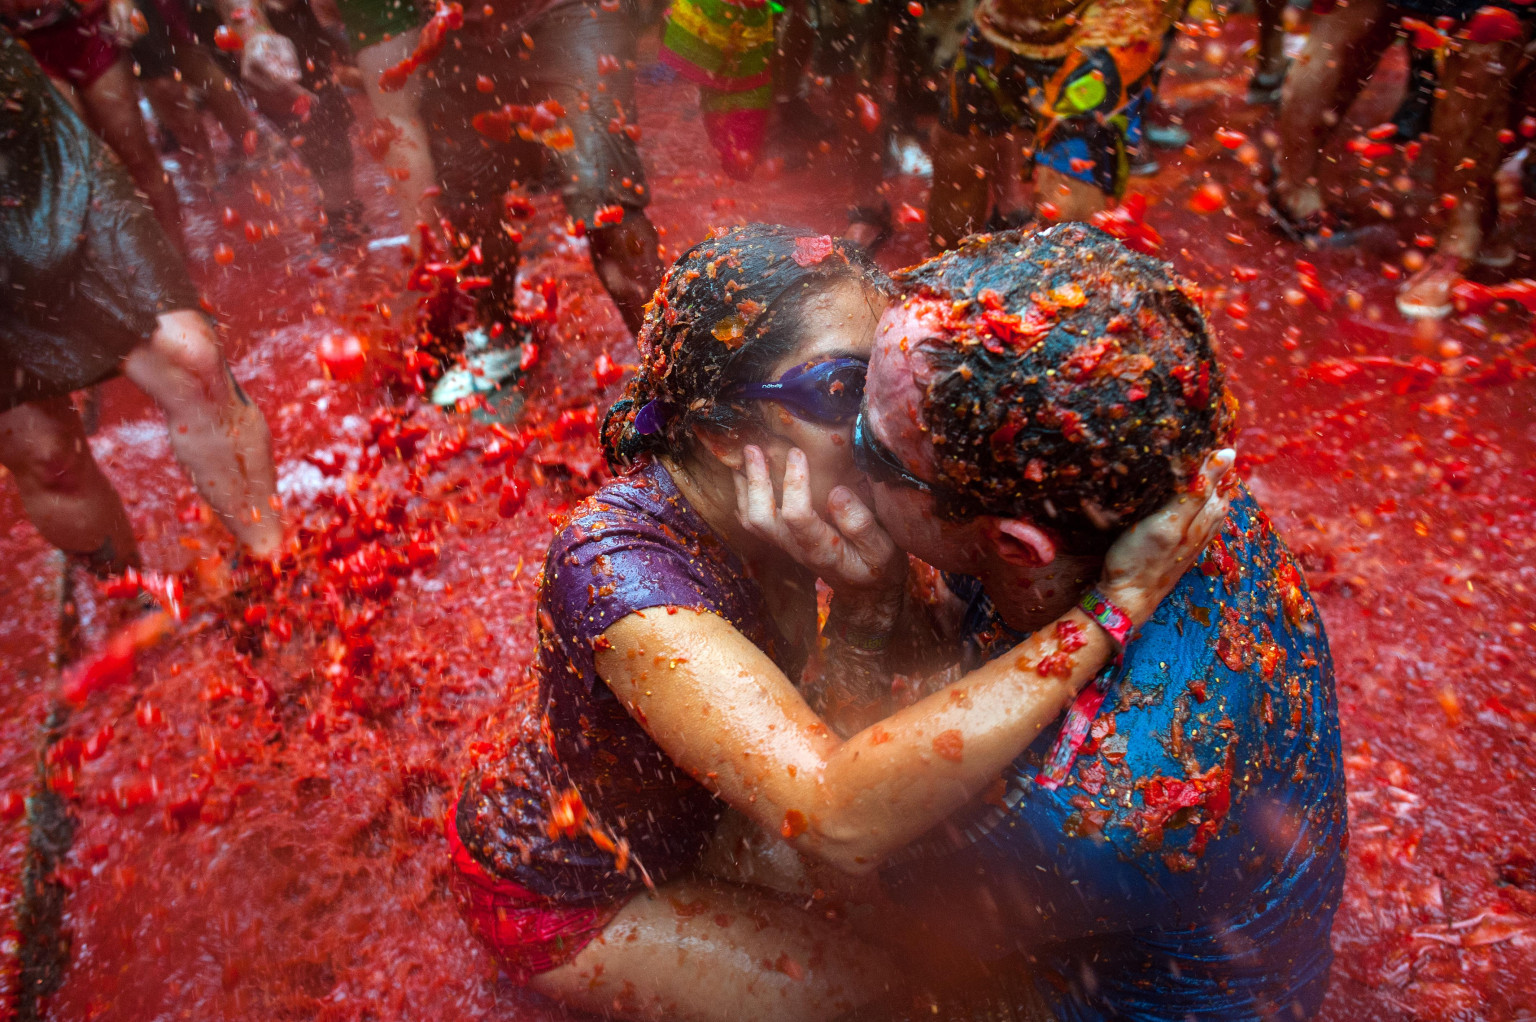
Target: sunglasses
x,y
879,462
828,393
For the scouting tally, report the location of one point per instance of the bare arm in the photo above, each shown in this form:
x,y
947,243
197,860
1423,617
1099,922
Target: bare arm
x,y
725,713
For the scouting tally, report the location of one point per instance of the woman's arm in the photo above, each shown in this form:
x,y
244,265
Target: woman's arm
x,y
725,713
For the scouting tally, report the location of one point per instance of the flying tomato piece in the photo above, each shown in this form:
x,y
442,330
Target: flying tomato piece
x,y
342,356
606,371
513,495
1208,198
1494,25
1230,139
868,111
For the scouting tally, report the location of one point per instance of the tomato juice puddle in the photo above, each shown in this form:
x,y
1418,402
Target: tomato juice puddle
x,y
260,803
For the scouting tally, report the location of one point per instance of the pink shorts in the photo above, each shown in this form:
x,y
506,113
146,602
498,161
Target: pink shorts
x,y
75,50
527,933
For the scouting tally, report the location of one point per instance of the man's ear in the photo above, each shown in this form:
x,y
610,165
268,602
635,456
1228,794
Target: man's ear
x,y
723,444
1020,543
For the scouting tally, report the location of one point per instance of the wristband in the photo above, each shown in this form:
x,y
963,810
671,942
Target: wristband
x,y
1080,715
1116,622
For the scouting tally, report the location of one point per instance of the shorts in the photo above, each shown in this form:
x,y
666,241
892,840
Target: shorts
x,y
373,21
600,164
76,50
1085,109
167,27
527,933
85,269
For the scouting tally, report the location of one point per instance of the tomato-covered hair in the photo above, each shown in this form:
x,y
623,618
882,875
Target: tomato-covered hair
x,y
726,312
1075,383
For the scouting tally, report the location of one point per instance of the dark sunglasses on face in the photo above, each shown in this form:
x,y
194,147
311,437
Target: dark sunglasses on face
x,y
879,462
828,392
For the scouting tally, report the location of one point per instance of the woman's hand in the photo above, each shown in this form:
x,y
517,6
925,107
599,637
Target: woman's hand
x,y
852,553
1146,563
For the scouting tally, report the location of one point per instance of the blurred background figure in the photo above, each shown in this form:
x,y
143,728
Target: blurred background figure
x,y
180,76
1072,79
381,34
1342,53
572,63
1484,75
81,48
726,49
92,288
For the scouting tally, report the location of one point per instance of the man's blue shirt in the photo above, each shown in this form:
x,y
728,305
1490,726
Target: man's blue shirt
x,y
1191,866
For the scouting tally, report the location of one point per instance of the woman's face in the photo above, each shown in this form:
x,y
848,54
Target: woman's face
x,y
839,323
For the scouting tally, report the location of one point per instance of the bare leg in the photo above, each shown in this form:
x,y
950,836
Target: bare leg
x,y
700,952
201,71
1342,52
963,166
1467,119
111,105
62,488
1074,199
627,262
177,112
218,435
1271,38
408,159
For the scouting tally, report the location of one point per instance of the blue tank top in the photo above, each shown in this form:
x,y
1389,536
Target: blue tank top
x,y
1191,866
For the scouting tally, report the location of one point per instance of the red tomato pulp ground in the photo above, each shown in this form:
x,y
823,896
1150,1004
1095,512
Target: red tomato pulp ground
x,y
260,836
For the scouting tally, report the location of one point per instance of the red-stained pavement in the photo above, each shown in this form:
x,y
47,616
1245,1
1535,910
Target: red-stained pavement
x,y
259,836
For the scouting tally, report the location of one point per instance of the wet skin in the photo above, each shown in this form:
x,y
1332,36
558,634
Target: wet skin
x,y
723,710
268,865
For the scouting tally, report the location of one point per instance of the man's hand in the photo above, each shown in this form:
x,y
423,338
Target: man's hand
x,y
1146,562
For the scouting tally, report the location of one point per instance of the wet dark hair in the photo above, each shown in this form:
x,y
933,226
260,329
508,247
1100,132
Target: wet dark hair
x,y
726,312
1074,383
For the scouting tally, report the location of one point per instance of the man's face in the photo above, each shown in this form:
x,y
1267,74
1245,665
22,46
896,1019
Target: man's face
x,y
898,376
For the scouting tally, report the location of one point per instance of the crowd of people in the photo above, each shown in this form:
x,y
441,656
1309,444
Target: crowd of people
x,y
1065,735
